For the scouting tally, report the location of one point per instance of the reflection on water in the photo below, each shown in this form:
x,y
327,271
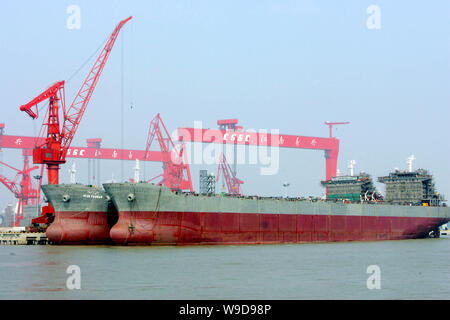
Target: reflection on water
x,y
410,269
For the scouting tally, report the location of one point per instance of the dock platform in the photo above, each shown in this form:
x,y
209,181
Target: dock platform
x,y
23,238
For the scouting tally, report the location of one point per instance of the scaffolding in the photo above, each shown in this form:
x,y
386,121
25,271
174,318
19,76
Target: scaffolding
x,y
207,182
413,187
351,188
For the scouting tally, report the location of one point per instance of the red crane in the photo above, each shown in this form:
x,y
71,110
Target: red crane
x,y
23,189
57,139
176,173
233,183
54,137
331,124
330,146
89,152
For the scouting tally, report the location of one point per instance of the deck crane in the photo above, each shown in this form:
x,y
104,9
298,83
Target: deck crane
x,y
233,183
22,187
57,136
176,173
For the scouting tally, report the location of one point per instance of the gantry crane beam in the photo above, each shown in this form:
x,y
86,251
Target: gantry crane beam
x,y
330,146
26,142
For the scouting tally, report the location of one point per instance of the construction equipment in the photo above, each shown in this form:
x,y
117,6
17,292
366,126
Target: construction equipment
x,y
89,152
231,125
207,182
22,187
53,150
331,124
330,146
176,173
233,183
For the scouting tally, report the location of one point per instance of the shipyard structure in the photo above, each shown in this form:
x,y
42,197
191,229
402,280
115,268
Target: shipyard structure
x,y
148,214
413,188
142,213
405,187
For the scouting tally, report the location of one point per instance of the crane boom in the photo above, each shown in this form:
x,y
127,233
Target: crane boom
x,y
50,92
176,168
74,113
54,141
233,183
25,185
10,184
22,190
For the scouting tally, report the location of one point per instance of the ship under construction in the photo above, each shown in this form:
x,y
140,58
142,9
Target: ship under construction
x,y
169,212
146,214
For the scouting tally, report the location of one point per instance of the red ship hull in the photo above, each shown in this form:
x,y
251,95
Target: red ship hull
x,y
245,228
86,227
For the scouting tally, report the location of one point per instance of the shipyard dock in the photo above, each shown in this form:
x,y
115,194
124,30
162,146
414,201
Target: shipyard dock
x,y
11,237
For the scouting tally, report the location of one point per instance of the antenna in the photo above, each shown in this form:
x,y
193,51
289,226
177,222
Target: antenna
x,y
72,172
136,171
286,185
351,166
409,162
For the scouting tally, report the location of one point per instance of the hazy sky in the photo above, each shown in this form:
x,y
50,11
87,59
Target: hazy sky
x,y
287,65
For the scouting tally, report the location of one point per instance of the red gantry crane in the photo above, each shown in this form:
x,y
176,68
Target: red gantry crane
x,y
233,183
23,189
57,136
90,152
330,146
176,173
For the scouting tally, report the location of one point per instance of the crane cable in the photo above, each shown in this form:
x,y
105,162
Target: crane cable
x,y
87,61
122,130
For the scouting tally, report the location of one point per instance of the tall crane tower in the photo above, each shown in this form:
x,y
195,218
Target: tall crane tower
x,y
55,136
59,135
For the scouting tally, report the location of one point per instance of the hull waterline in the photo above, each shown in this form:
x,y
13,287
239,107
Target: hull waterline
x,y
154,215
83,214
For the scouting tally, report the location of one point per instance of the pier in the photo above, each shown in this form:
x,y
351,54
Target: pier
x,y
23,238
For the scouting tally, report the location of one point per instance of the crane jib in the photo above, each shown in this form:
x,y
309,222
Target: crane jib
x,y
58,138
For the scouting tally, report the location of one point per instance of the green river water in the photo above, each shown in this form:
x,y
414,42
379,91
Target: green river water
x,y
409,269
